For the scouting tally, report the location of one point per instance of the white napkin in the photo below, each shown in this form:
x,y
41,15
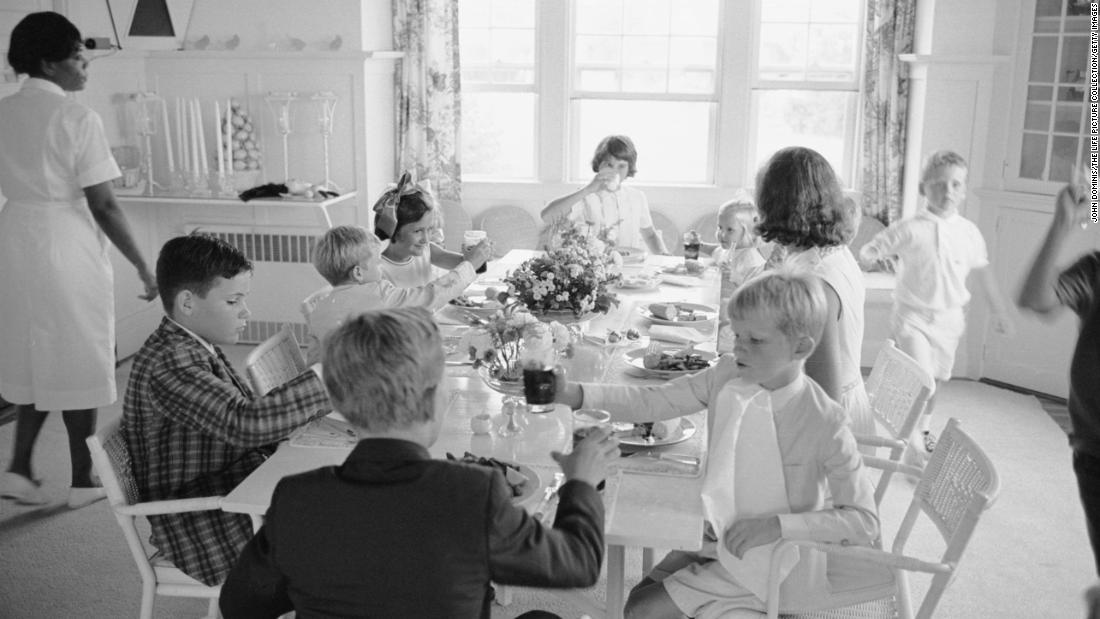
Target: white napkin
x,y
678,335
744,479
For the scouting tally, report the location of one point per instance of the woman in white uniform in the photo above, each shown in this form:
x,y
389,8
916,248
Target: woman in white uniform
x,y
57,331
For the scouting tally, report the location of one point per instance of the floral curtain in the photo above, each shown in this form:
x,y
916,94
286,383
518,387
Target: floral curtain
x,y
428,107
885,105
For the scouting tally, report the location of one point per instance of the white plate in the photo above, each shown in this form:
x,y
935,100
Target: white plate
x,y
531,488
632,255
634,358
681,433
709,311
635,282
476,310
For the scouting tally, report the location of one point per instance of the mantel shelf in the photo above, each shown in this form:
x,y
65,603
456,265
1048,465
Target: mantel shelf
x,y
236,202
222,54
971,59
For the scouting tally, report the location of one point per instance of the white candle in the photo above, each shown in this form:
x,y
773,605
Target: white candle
x,y
181,126
167,136
192,112
229,134
204,159
218,137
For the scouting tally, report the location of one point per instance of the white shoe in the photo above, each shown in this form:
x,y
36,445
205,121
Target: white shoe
x,y
21,490
82,497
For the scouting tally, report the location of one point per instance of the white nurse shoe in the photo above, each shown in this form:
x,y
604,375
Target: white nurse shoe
x,y
21,490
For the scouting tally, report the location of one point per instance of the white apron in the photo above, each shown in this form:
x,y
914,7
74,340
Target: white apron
x,y
57,325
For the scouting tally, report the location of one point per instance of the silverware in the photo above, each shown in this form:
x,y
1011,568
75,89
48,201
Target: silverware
x,y
541,513
670,457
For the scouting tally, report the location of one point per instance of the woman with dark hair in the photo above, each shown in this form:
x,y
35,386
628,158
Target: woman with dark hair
x,y
58,330
804,211
408,217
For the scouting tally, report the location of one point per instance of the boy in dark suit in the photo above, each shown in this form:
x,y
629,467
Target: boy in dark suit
x,y
393,533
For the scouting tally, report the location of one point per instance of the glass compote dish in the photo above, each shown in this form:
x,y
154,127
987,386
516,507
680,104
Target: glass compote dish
x,y
501,344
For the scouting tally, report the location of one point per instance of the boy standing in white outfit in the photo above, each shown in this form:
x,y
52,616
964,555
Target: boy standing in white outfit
x,y
937,249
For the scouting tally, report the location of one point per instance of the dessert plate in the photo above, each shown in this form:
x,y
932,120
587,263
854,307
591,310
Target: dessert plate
x,y
705,312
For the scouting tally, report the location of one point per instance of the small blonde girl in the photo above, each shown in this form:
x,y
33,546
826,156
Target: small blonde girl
x,y
739,251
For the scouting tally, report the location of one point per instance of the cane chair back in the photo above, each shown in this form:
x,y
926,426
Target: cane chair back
x,y
455,221
707,227
898,390
669,232
275,361
111,458
956,488
509,227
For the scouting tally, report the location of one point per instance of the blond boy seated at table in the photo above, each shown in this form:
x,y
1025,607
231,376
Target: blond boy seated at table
x,y
349,258
778,317
392,532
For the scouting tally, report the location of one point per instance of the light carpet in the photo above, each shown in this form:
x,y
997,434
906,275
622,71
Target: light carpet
x,y
1029,557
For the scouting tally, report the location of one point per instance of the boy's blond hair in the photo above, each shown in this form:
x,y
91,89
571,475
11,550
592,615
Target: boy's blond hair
x,y
339,250
795,299
382,368
942,159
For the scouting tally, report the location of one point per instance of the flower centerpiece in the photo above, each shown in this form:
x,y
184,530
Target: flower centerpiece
x,y
570,278
501,344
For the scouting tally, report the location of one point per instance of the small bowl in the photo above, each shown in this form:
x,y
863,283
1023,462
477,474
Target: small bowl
x,y
481,424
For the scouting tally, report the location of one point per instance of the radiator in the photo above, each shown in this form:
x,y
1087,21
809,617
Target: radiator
x,y
282,275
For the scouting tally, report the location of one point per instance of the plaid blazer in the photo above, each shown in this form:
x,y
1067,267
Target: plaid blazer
x,y
194,428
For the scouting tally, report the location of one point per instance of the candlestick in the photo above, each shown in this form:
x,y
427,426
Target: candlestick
x,y
185,138
218,136
167,137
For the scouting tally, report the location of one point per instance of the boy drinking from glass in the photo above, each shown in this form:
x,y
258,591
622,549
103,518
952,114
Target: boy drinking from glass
x,y
799,444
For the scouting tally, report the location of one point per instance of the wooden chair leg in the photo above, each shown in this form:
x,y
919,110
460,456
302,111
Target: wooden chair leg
x,y
647,561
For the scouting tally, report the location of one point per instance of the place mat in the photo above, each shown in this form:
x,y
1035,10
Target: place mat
x,y
696,446
609,494
325,432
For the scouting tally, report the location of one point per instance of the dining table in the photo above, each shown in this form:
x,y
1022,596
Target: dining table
x,y
652,498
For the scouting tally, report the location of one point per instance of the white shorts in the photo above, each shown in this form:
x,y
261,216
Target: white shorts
x,y
939,331
700,587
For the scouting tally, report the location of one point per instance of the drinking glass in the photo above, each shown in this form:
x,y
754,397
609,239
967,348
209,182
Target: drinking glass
x,y
539,387
471,238
586,420
511,427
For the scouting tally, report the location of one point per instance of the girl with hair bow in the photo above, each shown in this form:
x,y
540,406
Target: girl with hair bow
x,y
408,217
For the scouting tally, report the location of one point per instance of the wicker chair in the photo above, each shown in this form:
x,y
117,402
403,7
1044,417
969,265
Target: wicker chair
x,y
111,458
455,221
509,227
955,489
669,232
275,361
898,389
707,227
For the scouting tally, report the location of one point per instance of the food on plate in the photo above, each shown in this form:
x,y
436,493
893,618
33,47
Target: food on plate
x,y
682,361
516,480
649,430
615,337
689,267
464,301
668,311
671,311
492,293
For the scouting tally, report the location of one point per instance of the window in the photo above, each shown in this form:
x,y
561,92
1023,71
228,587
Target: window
x,y
806,87
707,89
499,99
1049,139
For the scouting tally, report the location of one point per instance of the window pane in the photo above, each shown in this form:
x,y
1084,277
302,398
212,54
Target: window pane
x,y
593,50
514,14
782,52
498,135
1037,117
1063,158
695,17
647,17
688,51
779,11
599,16
513,47
645,51
1033,155
832,53
667,151
1044,52
834,11
474,13
815,119
641,80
